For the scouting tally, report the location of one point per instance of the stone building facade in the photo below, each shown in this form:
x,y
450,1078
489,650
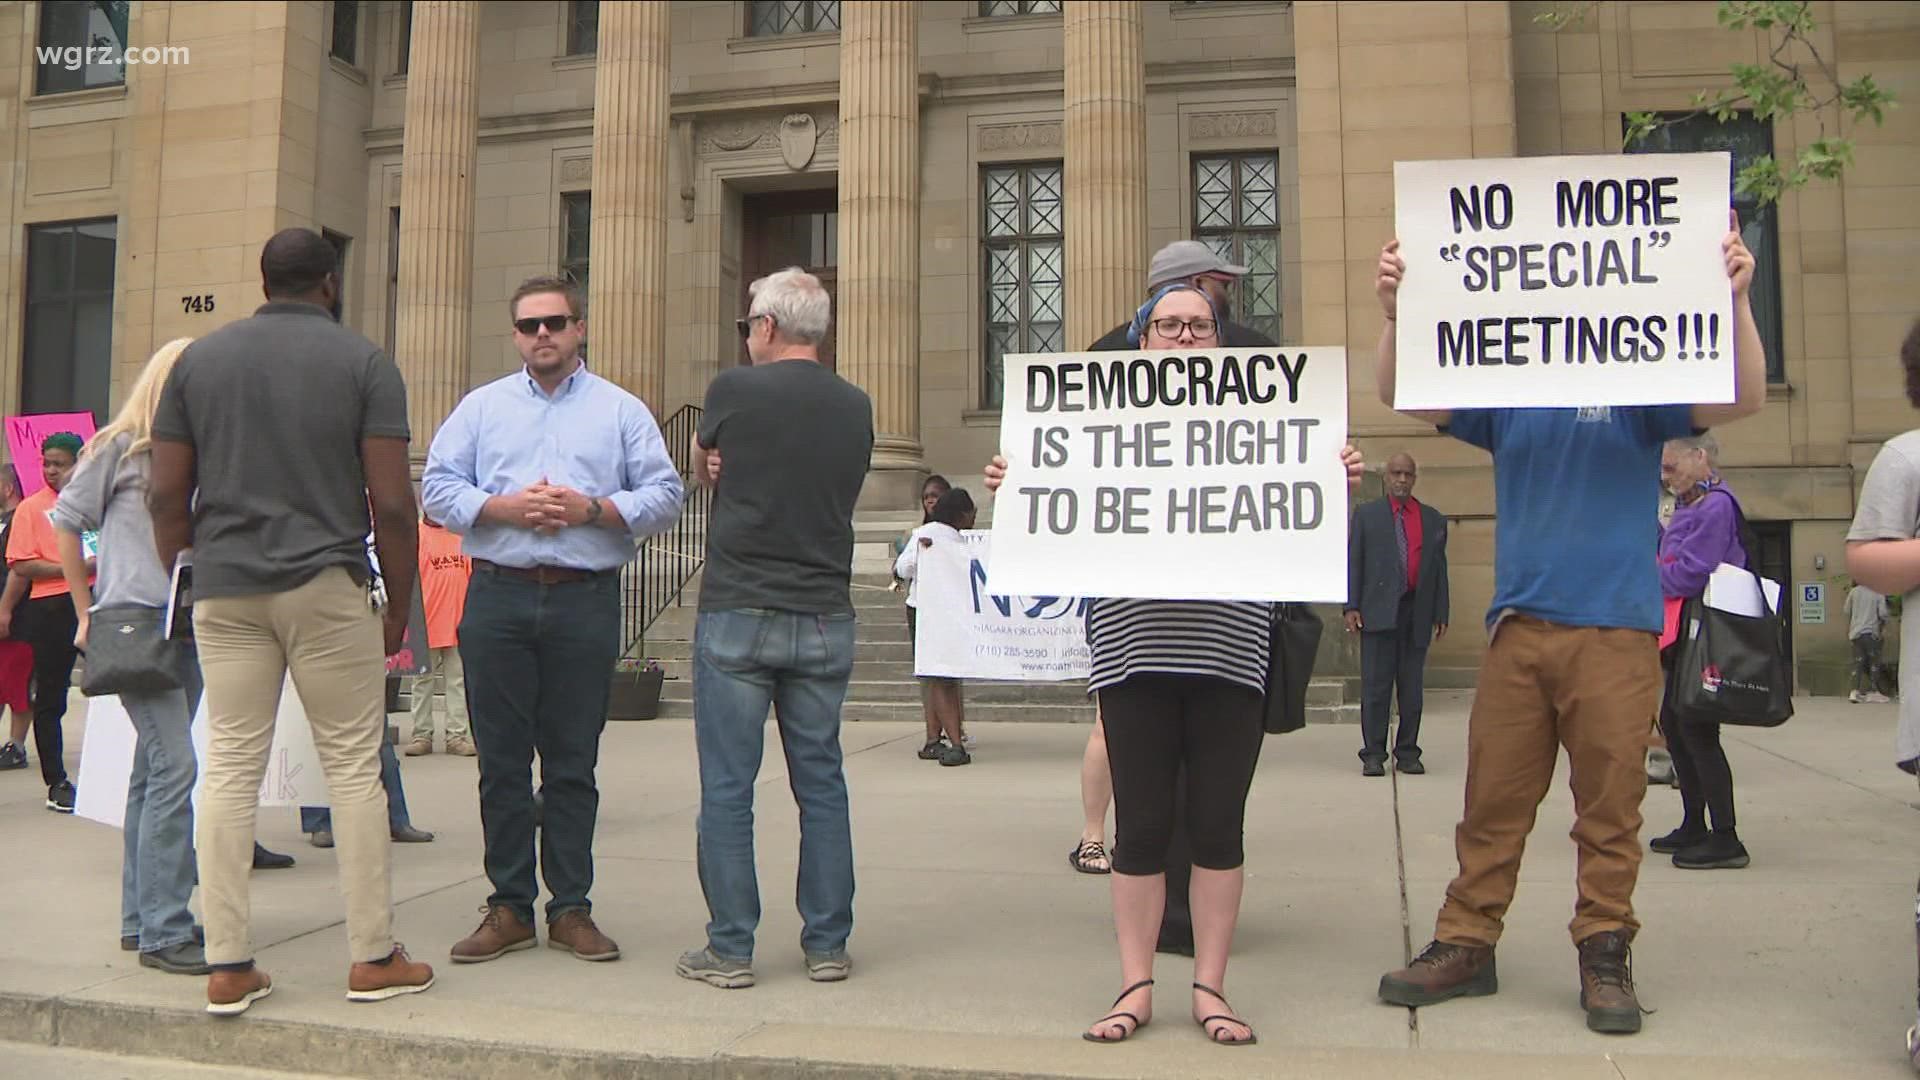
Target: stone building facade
x,y
969,177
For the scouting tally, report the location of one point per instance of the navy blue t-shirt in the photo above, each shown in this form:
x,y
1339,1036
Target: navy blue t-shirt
x,y
1577,499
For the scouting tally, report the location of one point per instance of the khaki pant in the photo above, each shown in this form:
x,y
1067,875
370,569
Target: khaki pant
x,y
444,663
1541,687
327,636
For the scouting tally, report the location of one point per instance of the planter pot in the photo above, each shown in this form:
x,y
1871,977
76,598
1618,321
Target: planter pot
x,y
635,695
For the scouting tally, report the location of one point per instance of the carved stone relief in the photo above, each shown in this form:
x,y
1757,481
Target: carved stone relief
x,y
1232,125
1045,133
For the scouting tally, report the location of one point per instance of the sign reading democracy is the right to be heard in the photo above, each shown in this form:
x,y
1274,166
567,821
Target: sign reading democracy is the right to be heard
x,y
1211,474
1563,281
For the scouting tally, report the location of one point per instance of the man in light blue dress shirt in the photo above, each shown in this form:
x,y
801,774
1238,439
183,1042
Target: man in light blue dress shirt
x,y
553,476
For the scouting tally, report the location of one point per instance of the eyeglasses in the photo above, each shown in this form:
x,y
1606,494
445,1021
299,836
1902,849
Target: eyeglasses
x,y
745,326
553,323
1169,328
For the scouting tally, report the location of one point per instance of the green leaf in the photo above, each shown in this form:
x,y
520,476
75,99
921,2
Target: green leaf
x,y
1761,179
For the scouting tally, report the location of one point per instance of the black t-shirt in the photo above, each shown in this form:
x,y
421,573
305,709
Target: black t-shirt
x,y
275,407
795,441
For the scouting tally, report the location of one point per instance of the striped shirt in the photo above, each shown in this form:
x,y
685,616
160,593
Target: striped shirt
x,y
1218,639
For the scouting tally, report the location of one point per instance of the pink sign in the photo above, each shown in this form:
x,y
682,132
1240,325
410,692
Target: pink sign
x,y
26,433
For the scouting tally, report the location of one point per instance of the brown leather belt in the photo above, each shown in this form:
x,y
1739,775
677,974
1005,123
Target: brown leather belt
x,y
542,575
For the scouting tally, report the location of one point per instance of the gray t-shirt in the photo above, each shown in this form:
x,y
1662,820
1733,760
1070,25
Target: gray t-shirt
x,y
1866,612
275,407
1890,510
107,493
795,441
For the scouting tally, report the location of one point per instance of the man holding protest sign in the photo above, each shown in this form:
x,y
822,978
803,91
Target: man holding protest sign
x,y
1576,609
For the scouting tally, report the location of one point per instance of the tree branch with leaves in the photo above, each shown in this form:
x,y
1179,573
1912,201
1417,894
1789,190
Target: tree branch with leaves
x,y
1795,79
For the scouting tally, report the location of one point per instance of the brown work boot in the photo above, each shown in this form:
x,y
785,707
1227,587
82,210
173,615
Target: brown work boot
x,y
397,975
501,932
1606,984
1444,970
574,932
230,993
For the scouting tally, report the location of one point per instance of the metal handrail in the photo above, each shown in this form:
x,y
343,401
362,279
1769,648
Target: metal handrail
x,y
657,578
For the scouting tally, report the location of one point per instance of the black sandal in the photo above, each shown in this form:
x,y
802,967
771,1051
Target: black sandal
x,y
1086,851
1214,1036
1137,1022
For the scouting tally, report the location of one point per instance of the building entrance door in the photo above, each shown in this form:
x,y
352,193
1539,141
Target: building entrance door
x,y
792,228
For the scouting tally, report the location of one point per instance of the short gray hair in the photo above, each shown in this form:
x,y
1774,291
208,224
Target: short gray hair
x,y
798,303
1705,443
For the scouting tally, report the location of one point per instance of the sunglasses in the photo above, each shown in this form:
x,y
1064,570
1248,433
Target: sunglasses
x,y
745,326
553,323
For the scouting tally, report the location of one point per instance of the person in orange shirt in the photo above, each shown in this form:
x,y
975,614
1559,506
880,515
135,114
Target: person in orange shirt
x,y
46,619
443,589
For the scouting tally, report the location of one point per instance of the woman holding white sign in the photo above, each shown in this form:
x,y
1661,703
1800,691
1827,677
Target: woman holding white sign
x,y
1179,683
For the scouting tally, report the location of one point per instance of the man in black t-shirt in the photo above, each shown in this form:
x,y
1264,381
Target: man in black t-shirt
x,y
776,622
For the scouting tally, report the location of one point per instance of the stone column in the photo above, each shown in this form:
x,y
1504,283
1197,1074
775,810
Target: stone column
x,y
1106,166
627,311
434,320
879,272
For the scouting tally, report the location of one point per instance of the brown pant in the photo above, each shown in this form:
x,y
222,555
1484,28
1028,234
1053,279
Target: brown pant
x,y
328,637
1543,686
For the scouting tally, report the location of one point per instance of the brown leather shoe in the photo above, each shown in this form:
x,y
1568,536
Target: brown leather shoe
x,y
1444,970
1606,984
230,993
399,975
501,932
574,932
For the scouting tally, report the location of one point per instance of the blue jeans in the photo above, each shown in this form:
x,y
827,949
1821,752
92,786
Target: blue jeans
x,y
539,662
157,872
744,663
315,818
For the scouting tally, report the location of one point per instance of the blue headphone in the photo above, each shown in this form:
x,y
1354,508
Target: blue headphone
x,y
1137,330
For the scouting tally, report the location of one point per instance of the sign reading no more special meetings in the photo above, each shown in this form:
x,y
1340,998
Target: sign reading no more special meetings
x,y
1563,281
1202,475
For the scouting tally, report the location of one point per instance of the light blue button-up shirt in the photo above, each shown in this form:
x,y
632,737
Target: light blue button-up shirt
x,y
590,435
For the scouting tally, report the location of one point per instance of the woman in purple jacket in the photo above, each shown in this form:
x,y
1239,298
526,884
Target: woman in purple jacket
x,y
1704,532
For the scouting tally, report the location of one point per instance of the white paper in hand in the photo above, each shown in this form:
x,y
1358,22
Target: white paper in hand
x,y
1737,592
106,763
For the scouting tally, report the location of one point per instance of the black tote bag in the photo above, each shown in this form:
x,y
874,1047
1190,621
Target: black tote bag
x,y
1293,641
1731,669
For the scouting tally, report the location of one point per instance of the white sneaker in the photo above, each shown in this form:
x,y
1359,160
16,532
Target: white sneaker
x,y
1878,698
1853,697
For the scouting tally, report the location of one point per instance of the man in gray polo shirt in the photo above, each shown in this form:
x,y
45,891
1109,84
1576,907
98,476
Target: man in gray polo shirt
x,y
289,425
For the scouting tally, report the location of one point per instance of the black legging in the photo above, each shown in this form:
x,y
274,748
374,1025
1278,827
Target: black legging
x,y
1699,763
48,624
1157,723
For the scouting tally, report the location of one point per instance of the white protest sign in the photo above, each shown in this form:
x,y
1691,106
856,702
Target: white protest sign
x,y
106,763
294,775
965,632
1207,475
1563,281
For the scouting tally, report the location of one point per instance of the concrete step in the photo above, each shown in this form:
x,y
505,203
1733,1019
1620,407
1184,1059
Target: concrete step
x,y
982,712
677,653
894,691
910,712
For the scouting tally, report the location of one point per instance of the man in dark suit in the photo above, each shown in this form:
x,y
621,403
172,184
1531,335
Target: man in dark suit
x,y
1397,603
1183,262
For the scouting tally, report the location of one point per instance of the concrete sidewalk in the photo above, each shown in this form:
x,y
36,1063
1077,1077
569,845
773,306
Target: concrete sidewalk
x,y
978,953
